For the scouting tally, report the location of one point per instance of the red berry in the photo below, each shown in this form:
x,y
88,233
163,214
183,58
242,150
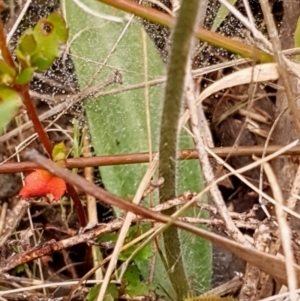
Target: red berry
x,y
41,182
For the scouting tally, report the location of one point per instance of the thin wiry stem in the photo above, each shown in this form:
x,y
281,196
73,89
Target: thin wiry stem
x,y
176,77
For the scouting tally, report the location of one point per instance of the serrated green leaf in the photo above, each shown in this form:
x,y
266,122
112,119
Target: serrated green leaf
x,y
133,284
59,152
132,275
9,95
7,74
118,124
25,76
111,292
108,237
144,254
26,47
297,37
9,102
38,47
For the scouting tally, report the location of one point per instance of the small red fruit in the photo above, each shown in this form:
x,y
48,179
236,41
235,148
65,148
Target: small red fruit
x,y
41,182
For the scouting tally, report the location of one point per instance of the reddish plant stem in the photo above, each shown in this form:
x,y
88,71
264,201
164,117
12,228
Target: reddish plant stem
x,y
23,91
79,209
4,49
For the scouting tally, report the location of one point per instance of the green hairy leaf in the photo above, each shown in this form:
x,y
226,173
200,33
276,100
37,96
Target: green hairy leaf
x,y
9,103
7,74
39,46
102,49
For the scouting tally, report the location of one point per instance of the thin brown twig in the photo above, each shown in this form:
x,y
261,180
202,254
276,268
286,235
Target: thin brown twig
x,y
204,35
135,158
24,93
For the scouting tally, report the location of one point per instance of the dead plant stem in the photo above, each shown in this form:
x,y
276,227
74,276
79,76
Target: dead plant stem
x,y
206,167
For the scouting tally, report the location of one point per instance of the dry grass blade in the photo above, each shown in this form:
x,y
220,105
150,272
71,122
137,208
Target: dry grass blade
x,y
206,167
284,230
127,222
258,73
13,220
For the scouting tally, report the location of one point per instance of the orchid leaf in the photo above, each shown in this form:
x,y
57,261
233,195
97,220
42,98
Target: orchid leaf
x,y
102,44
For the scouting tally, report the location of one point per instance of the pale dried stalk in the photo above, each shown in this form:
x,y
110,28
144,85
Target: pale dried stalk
x,y
13,219
239,171
262,238
227,288
3,211
206,167
285,231
91,207
127,222
256,33
292,200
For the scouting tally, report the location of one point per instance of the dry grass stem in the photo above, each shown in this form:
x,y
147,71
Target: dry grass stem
x,y
258,73
227,288
18,21
238,172
285,231
125,227
205,164
260,200
13,219
3,212
248,24
91,206
250,288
